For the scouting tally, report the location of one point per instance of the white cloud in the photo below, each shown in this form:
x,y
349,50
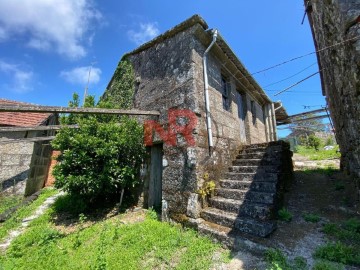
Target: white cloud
x,y
21,79
3,34
80,75
60,25
146,32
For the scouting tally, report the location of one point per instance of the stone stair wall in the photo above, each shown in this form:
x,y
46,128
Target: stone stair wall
x,y
252,191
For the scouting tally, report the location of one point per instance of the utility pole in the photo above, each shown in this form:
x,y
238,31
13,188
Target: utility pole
x,y
87,84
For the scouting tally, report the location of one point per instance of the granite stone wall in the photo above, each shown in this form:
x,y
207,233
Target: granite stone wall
x,y
15,159
169,75
333,22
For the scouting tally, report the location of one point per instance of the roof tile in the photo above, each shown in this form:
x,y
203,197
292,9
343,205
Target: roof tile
x,y
20,119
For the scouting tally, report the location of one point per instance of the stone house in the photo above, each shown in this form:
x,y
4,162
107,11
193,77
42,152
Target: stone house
x,y
170,78
23,164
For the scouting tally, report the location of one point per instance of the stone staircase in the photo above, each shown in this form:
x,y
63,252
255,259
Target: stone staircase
x,y
249,196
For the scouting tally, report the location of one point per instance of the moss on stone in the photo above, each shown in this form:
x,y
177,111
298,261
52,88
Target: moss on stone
x,y
120,92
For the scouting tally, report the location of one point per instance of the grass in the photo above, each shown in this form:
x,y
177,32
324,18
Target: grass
x,y
110,244
328,170
15,220
325,265
308,217
322,154
7,202
339,252
277,261
285,215
346,243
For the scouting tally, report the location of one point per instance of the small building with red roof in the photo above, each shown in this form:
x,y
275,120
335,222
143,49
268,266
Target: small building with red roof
x,y
24,164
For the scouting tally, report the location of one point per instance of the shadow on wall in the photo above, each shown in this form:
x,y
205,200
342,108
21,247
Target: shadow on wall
x,y
15,184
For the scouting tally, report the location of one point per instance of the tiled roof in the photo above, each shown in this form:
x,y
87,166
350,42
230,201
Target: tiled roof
x,y
20,119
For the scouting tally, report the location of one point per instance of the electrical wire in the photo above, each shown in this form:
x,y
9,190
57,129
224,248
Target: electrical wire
x,y
295,84
291,75
302,56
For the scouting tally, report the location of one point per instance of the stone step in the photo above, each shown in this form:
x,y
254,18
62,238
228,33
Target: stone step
x,y
231,239
243,208
266,177
247,162
252,150
253,196
255,169
254,155
242,223
246,185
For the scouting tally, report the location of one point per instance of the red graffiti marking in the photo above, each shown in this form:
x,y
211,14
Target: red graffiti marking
x,y
169,136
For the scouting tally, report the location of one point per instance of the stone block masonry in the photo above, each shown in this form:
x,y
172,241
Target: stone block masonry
x,y
334,22
169,75
15,159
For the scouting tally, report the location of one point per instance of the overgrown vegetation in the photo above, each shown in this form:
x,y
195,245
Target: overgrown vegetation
x,y
207,190
345,244
325,265
285,215
122,86
15,220
339,252
110,244
278,261
8,201
99,159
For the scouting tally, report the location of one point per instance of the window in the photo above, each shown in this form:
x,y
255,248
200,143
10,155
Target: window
x,y
253,111
225,91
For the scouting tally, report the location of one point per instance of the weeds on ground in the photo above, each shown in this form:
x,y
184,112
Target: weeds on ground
x,y
346,245
15,220
308,217
285,215
338,252
7,202
278,261
348,232
324,265
110,244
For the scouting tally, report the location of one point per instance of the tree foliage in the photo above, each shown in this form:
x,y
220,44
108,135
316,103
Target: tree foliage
x,y
306,127
99,158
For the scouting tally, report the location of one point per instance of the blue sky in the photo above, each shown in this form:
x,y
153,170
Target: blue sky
x,y
47,46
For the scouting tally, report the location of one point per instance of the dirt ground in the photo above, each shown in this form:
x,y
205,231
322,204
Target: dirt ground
x,y
315,190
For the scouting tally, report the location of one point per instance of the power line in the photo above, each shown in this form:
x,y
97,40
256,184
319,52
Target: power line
x,y
302,56
308,77
291,75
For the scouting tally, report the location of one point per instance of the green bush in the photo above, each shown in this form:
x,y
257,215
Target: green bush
x,y
98,159
314,142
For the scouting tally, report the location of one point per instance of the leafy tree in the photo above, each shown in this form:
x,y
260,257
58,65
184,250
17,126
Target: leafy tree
x,y
313,142
101,157
307,127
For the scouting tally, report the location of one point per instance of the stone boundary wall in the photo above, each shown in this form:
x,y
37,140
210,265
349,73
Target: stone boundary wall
x,y
333,22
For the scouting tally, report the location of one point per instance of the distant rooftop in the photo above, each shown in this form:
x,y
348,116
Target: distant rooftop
x,y
17,119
